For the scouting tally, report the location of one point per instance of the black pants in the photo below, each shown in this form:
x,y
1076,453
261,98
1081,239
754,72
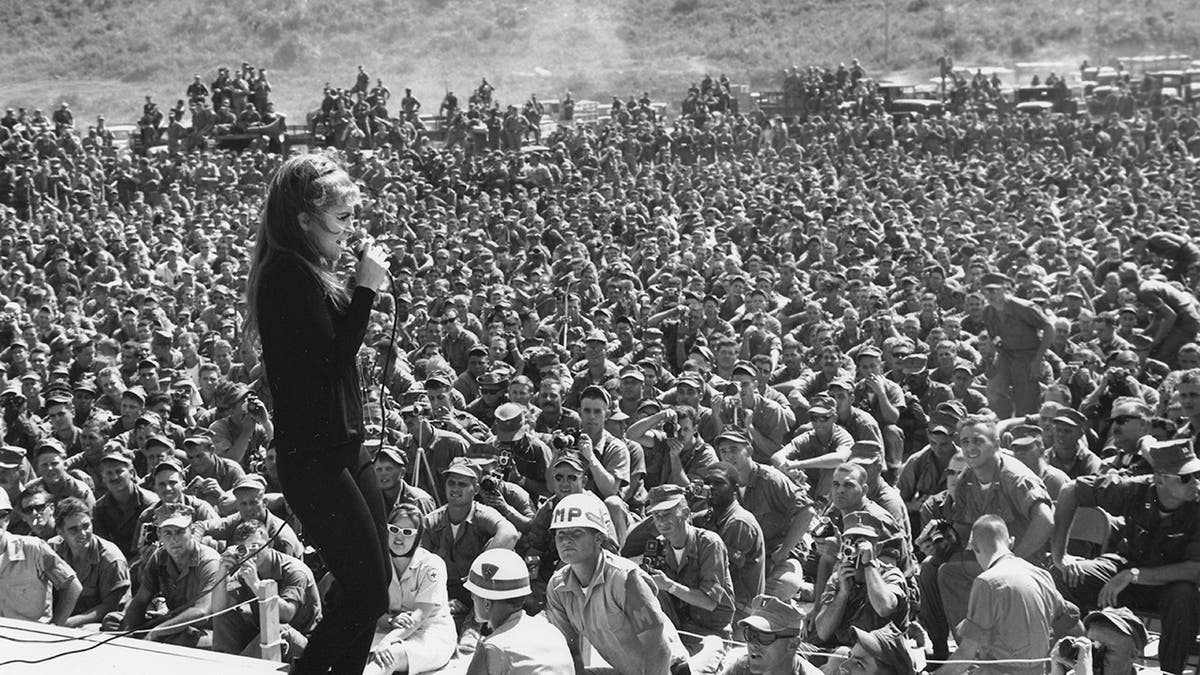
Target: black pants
x,y
334,493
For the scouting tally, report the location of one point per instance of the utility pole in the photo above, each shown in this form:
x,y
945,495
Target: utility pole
x,y
887,33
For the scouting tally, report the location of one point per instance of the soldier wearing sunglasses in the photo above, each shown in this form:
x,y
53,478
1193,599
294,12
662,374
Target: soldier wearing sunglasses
x,y
772,631
1157,552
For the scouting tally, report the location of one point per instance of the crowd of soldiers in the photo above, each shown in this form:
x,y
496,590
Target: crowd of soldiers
x,y
844,389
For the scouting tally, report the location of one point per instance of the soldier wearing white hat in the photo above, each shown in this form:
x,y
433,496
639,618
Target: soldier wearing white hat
x,y
519,644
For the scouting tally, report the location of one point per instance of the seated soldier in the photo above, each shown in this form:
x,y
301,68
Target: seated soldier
x,y
866,590
116,513
36,510
518,642
508,498
248,561
168,485
184,572
249,495
689,565
463,528
1156,550
567,476
31,570
50,461
209,476
99,565
390,468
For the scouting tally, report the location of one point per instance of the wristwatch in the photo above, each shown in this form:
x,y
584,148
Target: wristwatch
x,y
1134,574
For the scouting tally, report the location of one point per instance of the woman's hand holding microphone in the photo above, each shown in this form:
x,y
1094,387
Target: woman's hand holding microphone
x,y
372,269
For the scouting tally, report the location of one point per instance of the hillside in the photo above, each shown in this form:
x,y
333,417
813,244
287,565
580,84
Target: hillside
x,y
104,55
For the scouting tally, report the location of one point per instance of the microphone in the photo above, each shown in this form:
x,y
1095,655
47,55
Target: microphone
x,y
360,245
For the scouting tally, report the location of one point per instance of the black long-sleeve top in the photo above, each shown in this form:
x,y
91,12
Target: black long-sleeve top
x,y
309,351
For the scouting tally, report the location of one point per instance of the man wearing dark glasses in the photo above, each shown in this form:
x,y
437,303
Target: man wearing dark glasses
x,y
1157,552
1129,421
772,632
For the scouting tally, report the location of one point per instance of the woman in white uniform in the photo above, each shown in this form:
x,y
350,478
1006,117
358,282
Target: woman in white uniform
x,y
418,632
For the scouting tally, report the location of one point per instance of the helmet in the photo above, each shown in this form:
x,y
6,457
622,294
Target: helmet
x,y
580,510
498,574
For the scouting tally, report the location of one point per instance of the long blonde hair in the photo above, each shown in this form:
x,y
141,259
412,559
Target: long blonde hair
x,y
309,184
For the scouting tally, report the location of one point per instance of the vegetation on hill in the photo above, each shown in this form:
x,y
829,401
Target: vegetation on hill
x,y
103,55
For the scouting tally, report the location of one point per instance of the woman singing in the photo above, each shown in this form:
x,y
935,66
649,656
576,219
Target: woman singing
x,y
311,326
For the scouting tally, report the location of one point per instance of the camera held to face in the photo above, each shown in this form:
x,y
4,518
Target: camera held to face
x,y
655,556
1068,650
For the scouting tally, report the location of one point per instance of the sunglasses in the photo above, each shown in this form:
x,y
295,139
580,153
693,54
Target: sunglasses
x,y
821,418
1189,477
766,639
403,531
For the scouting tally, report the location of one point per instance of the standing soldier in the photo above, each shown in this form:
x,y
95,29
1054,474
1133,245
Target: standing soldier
x,y
1022,333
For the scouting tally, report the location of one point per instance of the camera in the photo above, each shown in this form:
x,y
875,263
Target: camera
x,y
193,486
1070,651
655,555
149,534
850,554
490,483
670,428
697,489
730,389
565,440
255,405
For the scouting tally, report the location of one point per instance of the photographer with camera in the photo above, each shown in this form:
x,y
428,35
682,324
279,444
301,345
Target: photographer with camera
x,y
180,569
1013,605
675,453
1157,554
866,591
208,476
1119,379
428,448
742,407
243,426
495,490
528,456
299,602
183,396
689,565
1113,642
19,428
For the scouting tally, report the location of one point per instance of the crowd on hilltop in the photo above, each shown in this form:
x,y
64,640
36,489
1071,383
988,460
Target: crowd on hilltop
x,y
839,392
